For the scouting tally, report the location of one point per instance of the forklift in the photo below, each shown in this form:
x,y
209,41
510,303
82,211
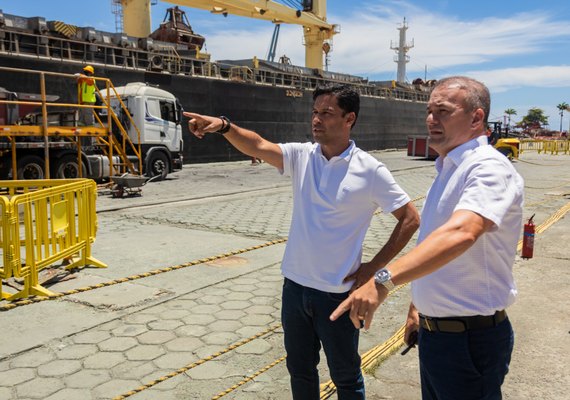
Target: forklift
x,y
499,139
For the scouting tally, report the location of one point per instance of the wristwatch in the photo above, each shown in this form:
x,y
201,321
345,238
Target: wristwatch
x,y
384,277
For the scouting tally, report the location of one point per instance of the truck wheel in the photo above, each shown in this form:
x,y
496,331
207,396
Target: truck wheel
x,y
31,167
506,151
157,165
67,167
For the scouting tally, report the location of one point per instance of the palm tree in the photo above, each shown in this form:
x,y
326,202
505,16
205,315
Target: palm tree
x,y
562,106
509,112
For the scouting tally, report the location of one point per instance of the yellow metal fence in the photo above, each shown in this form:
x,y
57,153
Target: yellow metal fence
x,y
545,146
45,222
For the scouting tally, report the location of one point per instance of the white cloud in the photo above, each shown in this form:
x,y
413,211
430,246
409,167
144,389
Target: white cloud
x,y
501,80
441,42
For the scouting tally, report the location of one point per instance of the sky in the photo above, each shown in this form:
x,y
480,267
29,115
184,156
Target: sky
x,y
519,48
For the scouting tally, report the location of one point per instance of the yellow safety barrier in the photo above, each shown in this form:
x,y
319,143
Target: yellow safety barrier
x,y
552,147
44,222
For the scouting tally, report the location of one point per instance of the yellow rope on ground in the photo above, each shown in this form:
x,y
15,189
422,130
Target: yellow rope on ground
x,y
39,299
195,364
248,378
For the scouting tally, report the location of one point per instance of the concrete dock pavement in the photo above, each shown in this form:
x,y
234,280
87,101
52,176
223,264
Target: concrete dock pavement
x,y
197,330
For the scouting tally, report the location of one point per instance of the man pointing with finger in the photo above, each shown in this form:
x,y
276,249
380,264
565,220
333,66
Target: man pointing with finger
x,y
336,189
461,270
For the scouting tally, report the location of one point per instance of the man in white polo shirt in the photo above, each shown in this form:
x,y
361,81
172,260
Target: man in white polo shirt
x,y
336,189
461,270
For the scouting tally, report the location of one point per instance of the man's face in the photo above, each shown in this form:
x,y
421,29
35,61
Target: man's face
x,y
330,124
449,124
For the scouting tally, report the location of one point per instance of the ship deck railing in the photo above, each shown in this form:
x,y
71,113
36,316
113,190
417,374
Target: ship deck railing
x,y
165,58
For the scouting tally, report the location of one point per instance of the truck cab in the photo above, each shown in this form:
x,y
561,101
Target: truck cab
x,y
156,114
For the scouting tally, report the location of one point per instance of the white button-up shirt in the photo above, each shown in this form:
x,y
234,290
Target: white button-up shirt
x,y
474,177
333,203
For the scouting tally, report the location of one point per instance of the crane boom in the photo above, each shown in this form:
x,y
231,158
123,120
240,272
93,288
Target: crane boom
x,y
315,27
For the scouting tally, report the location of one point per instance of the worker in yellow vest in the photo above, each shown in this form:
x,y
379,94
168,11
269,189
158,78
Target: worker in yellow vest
x,y
86,88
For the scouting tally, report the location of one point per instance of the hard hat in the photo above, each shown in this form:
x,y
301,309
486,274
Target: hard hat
x,y
89,69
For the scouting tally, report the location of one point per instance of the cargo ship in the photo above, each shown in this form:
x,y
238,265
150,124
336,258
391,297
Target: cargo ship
x,y
271,98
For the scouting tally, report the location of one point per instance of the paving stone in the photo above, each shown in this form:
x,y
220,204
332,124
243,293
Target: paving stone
x,y
39,388
191,296
132,369
155,337
210,299
258,320
258,346
263,300
266,292
208,309
17,375
225,326
174,360
5,393
199,319
184,344
248,331
243,288
103,360
33,358
245,281
59,368
182,303
238,296
260,309
139,318
168,325
4,366
235,305
129,330
220,338
174,314
114,388
192,330
118,344
87,379
91,337
71,394
210,370
230,314
144,353
207,350
76,352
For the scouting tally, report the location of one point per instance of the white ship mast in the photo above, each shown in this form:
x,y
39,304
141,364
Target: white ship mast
x,y
401,58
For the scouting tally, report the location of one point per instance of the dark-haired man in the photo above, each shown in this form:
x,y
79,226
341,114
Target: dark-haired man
x,y
336,189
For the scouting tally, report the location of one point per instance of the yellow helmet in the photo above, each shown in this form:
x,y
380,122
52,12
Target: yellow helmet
x,y
89,69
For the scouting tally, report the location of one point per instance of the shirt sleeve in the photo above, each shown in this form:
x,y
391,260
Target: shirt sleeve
x,y
291,154
490,189
386,193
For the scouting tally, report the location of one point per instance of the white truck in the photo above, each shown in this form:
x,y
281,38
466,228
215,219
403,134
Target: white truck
x,y
155,112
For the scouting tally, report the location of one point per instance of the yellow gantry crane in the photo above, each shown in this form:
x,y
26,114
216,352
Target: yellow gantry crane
x,y
317,31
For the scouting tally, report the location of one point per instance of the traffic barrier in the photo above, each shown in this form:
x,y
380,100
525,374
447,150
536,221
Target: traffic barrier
x,y
44,222
552,147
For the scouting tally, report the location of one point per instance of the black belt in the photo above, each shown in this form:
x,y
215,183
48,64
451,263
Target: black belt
x,y
462,324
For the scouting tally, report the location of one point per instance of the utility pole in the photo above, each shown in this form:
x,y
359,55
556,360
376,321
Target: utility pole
x,y
401,58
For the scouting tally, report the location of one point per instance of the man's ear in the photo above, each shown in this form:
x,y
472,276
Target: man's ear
x,y
478,117
351,118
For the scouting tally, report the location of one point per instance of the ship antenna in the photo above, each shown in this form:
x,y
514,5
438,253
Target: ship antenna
x,y
401,58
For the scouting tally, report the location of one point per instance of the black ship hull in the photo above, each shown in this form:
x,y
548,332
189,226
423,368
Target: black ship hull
x,y
279,114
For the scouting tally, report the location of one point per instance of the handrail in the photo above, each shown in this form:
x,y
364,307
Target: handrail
x,y
112,142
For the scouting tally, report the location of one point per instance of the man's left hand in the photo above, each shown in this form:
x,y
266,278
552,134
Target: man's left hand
x,y
362,303
362,275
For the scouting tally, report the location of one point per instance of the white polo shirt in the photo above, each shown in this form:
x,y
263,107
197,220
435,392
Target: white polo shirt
x,y
475,177
333,203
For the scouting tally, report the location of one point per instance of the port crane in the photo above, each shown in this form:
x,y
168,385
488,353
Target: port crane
x,y
317,31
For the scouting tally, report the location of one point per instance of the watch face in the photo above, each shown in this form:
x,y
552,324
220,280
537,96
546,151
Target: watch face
x,y
383,275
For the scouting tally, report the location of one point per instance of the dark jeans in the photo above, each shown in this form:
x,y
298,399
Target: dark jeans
x,y
306,324
465,366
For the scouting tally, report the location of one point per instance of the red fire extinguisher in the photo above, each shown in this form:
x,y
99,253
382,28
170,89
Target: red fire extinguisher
x,y
528,239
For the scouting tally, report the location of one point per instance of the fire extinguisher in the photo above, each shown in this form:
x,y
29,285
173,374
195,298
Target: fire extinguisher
x,y
528,239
